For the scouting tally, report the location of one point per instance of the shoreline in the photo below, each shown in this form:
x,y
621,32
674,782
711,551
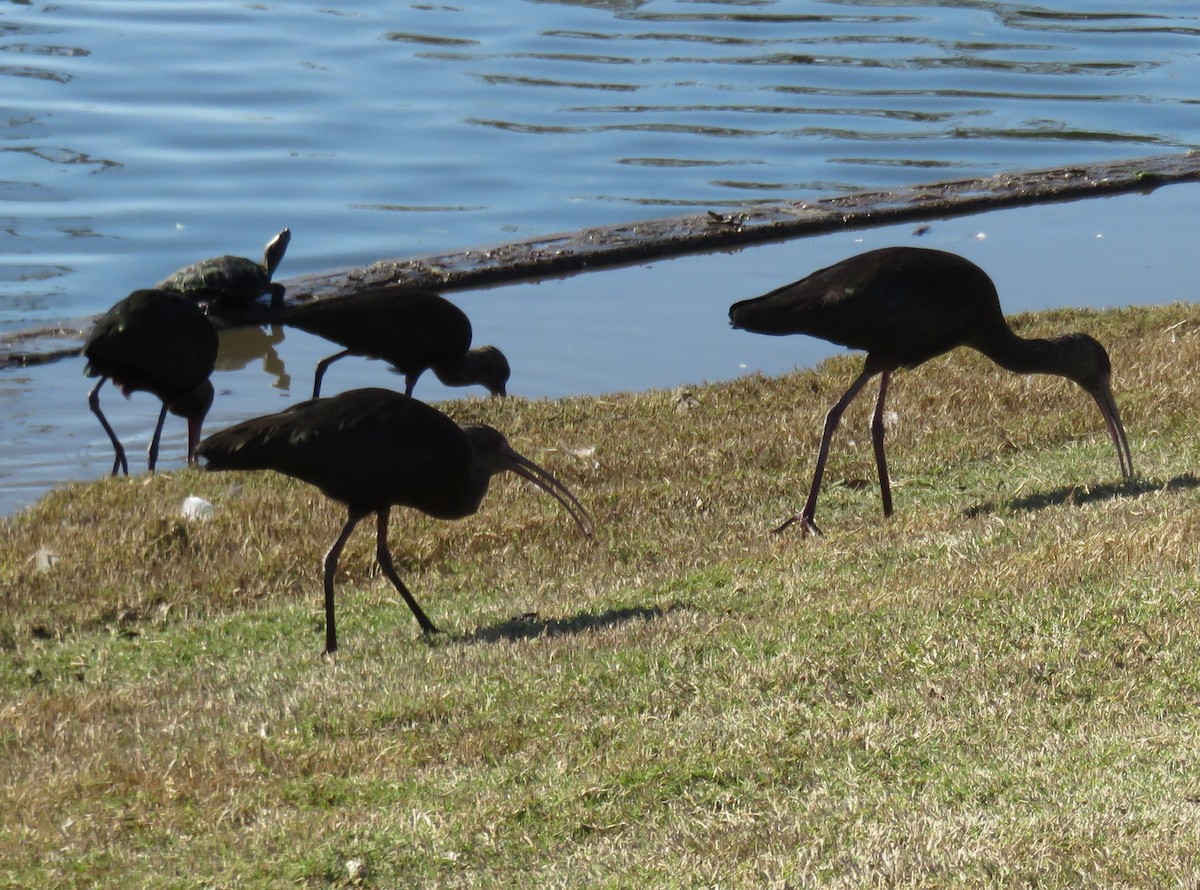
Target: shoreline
x,y
603,247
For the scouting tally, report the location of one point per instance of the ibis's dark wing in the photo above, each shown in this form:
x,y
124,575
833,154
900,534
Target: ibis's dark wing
x,y
907,303
368,448
153,340
412,332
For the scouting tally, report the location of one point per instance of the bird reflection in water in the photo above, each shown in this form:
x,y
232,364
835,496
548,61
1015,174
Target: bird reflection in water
x,y
242,345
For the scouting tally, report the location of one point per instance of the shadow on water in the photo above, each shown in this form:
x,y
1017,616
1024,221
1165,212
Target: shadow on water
x,y
531,626
1078,495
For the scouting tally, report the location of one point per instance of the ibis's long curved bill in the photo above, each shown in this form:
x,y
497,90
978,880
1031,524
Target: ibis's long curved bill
x,y
1108,407
527,469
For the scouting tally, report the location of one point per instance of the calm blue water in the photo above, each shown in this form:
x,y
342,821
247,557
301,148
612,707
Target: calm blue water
x,y
142,135
145,134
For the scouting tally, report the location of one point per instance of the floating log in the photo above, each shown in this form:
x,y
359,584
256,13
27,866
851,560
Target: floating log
x,y
606,246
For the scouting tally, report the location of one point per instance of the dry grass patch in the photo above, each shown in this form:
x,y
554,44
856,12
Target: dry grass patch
x,y
997,687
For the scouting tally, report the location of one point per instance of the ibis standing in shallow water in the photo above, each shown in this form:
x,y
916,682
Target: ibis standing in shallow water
x,y
372,449
904,306
158,342
414,332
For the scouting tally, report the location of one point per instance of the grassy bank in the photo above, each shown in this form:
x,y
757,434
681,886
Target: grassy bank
x,y
998,687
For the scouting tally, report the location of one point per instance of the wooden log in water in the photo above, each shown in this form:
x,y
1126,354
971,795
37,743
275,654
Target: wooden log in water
x,y
597,248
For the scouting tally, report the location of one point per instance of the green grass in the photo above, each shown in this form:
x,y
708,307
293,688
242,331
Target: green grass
x,y
998,687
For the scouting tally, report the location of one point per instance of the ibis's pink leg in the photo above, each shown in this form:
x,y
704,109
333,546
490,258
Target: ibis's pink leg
x,y
152,451
119,463
331,561
384,556
805,516
885,485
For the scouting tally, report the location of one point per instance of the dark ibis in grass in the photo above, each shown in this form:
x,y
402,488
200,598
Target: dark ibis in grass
x,y
413,332
373,449
232,280
904,306
159,342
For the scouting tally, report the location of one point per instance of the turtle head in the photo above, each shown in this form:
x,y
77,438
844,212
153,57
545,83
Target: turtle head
x,y
274,251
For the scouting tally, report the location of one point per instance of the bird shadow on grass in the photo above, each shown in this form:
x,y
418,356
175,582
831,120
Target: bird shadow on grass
x,y
532,626
1086,494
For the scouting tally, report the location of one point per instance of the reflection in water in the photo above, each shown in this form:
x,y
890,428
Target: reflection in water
x,y
428,39
21,272
16,71
241,346
38,49
59,155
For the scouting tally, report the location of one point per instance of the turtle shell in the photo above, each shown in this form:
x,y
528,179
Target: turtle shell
x,y
222,279
231,280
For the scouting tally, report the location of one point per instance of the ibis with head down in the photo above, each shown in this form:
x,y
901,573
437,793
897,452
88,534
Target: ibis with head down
x,y
412,332
904,306
373,449
158,342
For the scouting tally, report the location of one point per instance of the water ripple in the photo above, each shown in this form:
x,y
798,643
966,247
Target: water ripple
x,y
216,122
428,39
34,73
63,156
37,49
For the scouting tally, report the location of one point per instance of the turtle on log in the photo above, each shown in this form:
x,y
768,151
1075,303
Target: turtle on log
x,y
231,280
